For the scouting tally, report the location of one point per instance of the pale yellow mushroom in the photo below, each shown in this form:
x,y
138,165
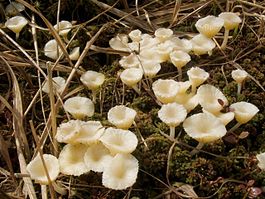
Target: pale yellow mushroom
x,y
58,85
239,76
52,50
197,76
179,60
202,45
16,24
261,160
131,76
163,34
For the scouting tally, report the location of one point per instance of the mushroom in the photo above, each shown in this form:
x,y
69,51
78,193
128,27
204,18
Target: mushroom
x,y
231,21
71,160
58,85
16,24
261,160
97,156
162,52
225,118
209,98
121,172
92,80
204,128
202,45
135,35
239,76
244,112
63,27
151,54
79,107
163,34
197,76
121,116
209,26
68,131
172,114
150,68
165,90
120,42
37,171
14,8
52,50
184,45
119,140
130,61
179,60
131,76
75,53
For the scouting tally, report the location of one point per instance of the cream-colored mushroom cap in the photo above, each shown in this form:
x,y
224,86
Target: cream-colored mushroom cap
x,y
183,86
172,114
58,85
16,24
204,127
130,61
239,75
14,8
135,35
162,52
179,58
90,132
184,45
165,90
71,160
119,140
52,50
120,42
131,76
75,54
163,34
202,45
197,76
121,172
261,158
79,107
121,116
231,20
188,100
148,42
209,26
37,170
68,131
150,67
92,79
225,118
244,111
97,157
150,54
63,27
209,98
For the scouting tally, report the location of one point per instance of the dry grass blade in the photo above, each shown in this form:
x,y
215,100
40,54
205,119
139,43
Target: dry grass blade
x,y
175,12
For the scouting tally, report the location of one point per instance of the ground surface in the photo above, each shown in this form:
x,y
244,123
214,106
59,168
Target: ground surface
x,y
167,170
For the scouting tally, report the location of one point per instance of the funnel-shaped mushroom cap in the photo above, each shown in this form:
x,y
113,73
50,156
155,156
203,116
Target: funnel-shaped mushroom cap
x,y
52,50
131,76
75,53
16,23
239,75
71,160
14,8
163,34
63,27
130,61
225,118
121,172
197,76
37,170
202,45
119,141
67,132
179,58
180,44
165,90
183,86
79,107
121,116
90,132
188,100
210,97
120,42
209,26
162,52
231,20
92,79
261,159
148,42
172,114
244,111
150,67
97,157
204,127
135,35
58,85
150,54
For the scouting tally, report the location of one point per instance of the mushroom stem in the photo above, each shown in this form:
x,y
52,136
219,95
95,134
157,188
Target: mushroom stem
x,y
137,90
59,189
94,96
239,87
180,73
226,34
193,88
234,127
17,35
197,148
44,192
172,132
